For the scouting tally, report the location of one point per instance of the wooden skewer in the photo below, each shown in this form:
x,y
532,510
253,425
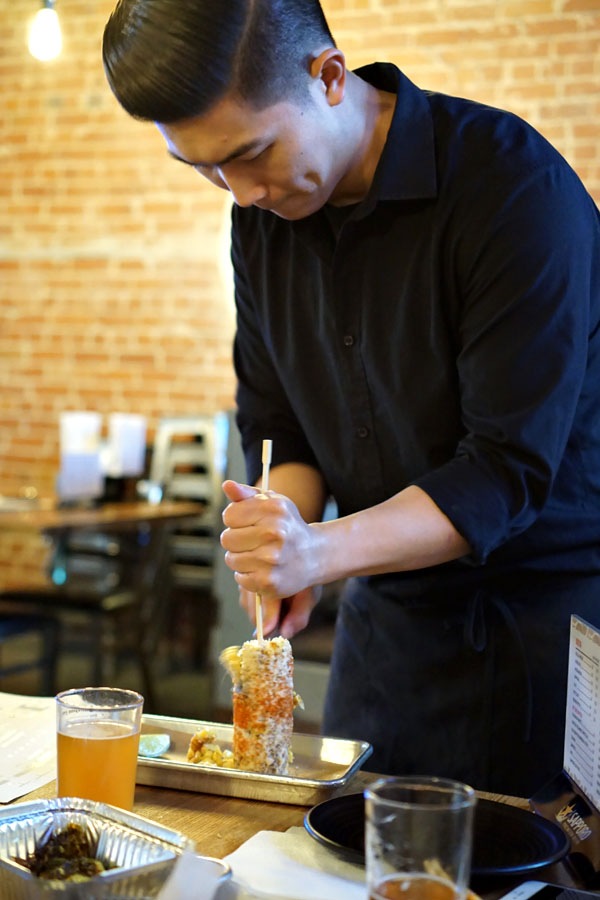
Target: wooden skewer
x,y
259,625
267,446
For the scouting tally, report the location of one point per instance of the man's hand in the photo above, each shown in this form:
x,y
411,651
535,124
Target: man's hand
x,y
271,549
285,617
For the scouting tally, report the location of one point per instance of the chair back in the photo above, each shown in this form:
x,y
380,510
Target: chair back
x,y
188,462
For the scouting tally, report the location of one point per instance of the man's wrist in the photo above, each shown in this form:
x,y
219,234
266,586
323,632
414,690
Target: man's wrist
x,y
322,563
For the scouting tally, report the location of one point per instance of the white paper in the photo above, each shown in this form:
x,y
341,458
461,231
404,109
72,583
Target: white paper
x,y
27,744
291,866
582,730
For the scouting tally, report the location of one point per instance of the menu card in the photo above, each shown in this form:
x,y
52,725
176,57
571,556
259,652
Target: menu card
x,y
572,798
582,732
27,744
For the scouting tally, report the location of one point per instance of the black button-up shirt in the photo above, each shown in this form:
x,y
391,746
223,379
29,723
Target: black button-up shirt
x,y
444,332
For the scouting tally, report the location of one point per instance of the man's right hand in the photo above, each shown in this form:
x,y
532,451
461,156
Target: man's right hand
x,y
285,617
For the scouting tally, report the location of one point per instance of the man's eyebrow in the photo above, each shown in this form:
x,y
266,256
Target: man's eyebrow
x,y
239,151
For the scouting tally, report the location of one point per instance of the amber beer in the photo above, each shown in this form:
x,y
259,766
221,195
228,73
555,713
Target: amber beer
x,y
413,887
97,740
97,760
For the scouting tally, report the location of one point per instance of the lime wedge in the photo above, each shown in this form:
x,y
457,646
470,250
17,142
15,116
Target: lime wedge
x,y
154,744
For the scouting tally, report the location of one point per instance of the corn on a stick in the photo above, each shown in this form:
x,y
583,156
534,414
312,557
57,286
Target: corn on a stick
x,y
263,703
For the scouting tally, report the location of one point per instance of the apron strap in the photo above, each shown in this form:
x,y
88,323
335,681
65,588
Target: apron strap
x,y
476,636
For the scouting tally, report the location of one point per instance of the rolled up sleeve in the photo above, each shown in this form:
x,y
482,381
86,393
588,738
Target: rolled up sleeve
x,y
524,346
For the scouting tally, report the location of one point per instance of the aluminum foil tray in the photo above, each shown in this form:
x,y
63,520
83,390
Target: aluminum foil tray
x,y
143,851
322,766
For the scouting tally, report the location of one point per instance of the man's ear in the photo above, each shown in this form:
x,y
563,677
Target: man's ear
x,y
329,68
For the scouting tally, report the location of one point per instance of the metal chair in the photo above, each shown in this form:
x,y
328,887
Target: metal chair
x,y
188,461
46,629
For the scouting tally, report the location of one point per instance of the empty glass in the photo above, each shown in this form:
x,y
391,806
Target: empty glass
x,y
418,837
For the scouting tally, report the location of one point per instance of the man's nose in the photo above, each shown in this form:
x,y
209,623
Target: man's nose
x,y
245,190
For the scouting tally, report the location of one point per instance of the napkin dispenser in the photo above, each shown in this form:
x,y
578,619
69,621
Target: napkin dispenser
x,y
126,445
80,476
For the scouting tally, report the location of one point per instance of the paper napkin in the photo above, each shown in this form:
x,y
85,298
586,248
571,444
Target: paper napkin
x,y
290,866
193,878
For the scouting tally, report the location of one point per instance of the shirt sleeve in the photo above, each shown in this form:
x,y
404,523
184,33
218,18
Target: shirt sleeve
x,y
264,410
529,264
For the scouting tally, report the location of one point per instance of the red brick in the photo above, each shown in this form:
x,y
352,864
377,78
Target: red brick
x,y
110,290
581,5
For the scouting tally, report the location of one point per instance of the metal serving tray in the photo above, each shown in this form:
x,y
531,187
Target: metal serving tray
x,y
322,766
142,852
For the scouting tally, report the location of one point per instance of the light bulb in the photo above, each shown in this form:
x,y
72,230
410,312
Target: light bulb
x,y
45,40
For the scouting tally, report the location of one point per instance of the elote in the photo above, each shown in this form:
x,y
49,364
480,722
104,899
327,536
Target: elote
x,y
263,703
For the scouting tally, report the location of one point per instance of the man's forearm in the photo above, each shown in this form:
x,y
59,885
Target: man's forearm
x,y
406,532
273,551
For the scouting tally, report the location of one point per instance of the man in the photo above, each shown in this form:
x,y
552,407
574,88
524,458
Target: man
x,y
418,299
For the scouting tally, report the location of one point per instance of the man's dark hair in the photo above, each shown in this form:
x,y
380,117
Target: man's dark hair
x,y
168,60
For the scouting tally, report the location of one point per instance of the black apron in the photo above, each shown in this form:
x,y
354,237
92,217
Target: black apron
x,y
461,680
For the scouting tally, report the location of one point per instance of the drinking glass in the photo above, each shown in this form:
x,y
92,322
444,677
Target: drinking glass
x,y
98,733
418,837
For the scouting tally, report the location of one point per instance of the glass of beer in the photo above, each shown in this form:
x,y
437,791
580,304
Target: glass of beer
x,y
418,838
98,733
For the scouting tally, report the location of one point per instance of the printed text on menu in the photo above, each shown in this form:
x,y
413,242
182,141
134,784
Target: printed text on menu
x,y
582,731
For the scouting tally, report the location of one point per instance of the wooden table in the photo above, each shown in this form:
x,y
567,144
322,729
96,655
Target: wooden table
x,y
51,519
219,825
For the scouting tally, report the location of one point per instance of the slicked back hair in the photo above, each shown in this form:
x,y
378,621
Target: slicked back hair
x,y
168,60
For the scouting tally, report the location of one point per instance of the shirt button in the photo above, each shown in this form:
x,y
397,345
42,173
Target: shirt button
x,y
348,340
362,432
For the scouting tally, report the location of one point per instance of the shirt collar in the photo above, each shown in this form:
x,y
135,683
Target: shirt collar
x,y
406,168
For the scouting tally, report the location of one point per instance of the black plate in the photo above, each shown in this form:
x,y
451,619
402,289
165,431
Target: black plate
x,y
507,840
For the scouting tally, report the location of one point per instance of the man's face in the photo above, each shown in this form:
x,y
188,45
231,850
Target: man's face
x,y
282,158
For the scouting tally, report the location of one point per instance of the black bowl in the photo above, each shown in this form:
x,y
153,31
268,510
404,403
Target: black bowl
x,y
507,840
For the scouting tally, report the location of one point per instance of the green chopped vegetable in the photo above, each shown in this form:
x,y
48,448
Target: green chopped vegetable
x,y
67,855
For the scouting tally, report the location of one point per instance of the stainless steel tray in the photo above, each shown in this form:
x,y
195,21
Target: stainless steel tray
x,y
322,766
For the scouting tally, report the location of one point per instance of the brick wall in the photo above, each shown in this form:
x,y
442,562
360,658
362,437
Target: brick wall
x,y
112,290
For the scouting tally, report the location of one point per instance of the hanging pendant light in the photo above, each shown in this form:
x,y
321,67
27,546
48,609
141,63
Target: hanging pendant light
x,y
45,39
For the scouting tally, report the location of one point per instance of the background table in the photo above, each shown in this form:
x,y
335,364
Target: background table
x,y
110,563
51,519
